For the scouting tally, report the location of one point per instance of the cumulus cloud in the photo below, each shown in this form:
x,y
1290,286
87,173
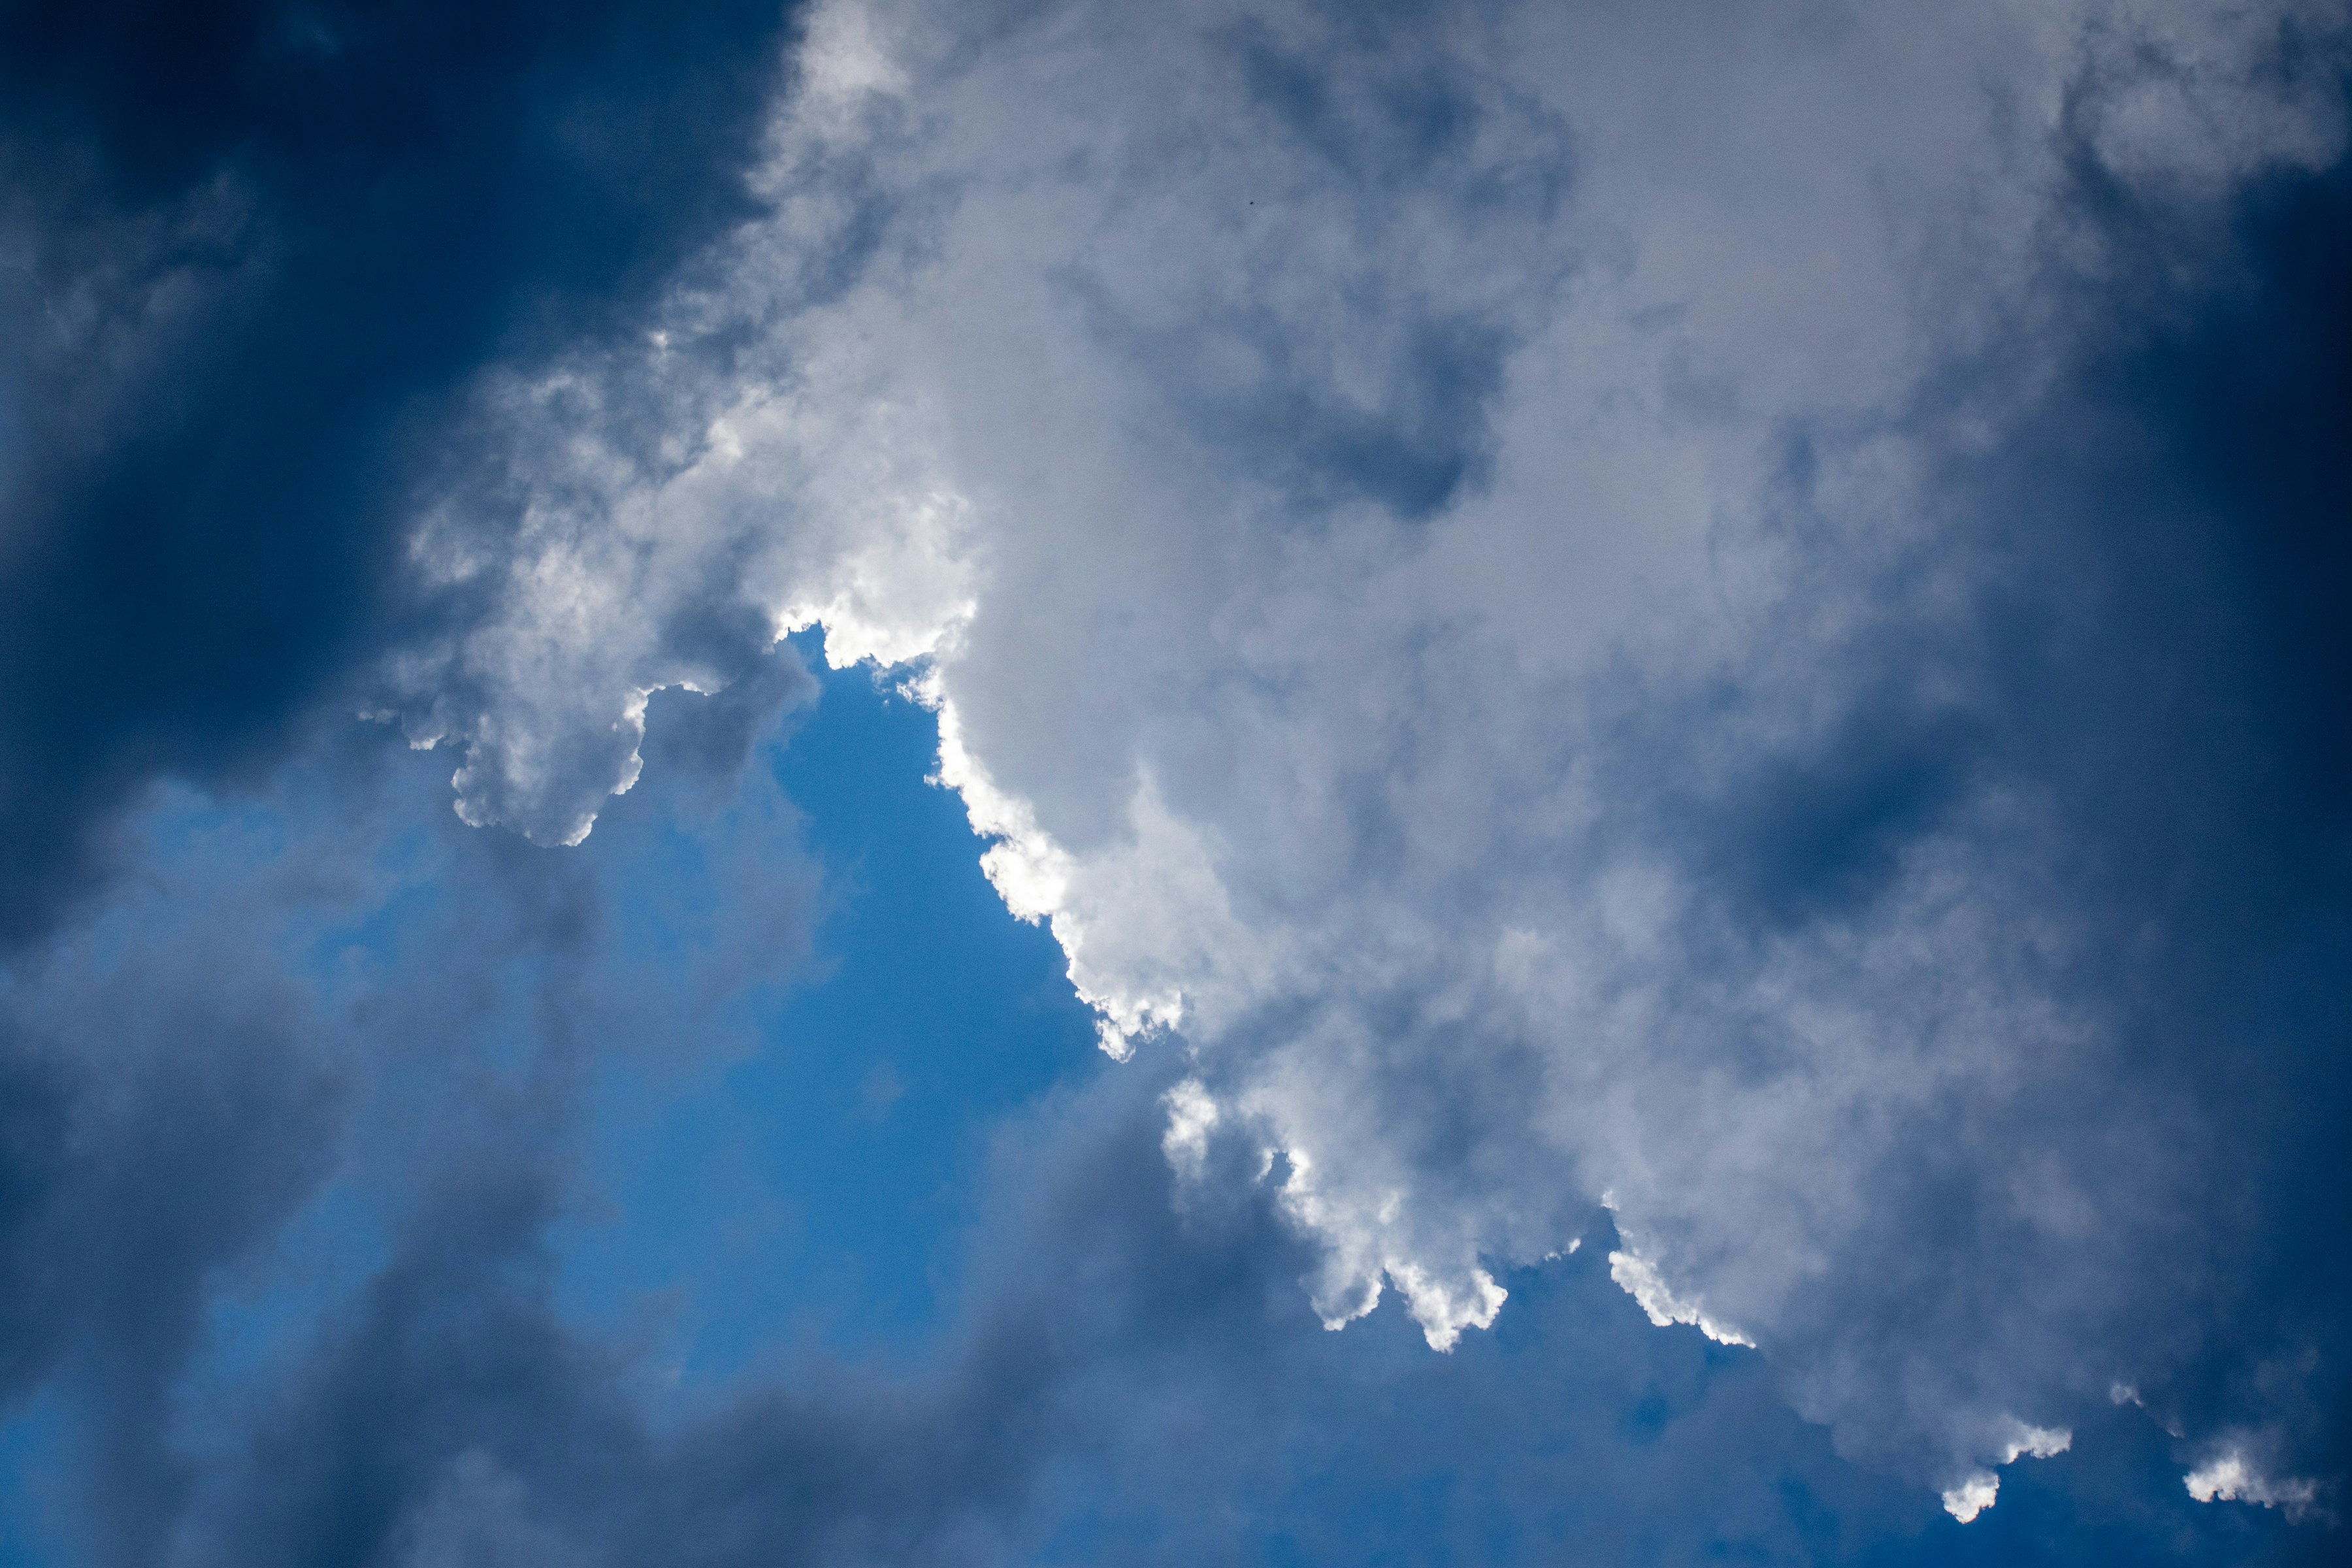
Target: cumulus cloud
x,y
1564,602
2229,1476
1639,1279
1734,616
1981,1488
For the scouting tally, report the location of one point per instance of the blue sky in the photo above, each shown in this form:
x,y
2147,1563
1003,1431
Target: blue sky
x,y
815,1190
1059,784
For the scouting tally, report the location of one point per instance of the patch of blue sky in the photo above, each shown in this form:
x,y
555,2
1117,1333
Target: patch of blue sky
x,y
806,1015
811,1187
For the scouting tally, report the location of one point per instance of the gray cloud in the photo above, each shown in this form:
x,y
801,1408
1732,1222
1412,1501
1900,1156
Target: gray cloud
x,y
1584,649
322,1012
166,1114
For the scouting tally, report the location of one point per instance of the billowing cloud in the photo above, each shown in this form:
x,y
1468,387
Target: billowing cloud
x,y
1719,633
1572,602
1579,602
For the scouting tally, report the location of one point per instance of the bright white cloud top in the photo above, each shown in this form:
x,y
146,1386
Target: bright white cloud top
x,y
1368,502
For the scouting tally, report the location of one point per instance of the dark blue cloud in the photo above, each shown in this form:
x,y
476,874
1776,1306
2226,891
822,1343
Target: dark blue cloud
x,y
2164,648
257,250
2154,654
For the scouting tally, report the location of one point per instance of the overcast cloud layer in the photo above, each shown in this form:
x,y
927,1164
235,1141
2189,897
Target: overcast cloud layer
x,y
1687,648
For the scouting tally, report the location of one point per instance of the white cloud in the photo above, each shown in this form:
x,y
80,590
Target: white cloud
x,y
1975,1494
1639,1279
2230,1477
1192,1117
1980,1489
1328,477
2037,1442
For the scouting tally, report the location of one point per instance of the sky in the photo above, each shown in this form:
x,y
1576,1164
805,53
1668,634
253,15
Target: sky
x,y
1047,783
